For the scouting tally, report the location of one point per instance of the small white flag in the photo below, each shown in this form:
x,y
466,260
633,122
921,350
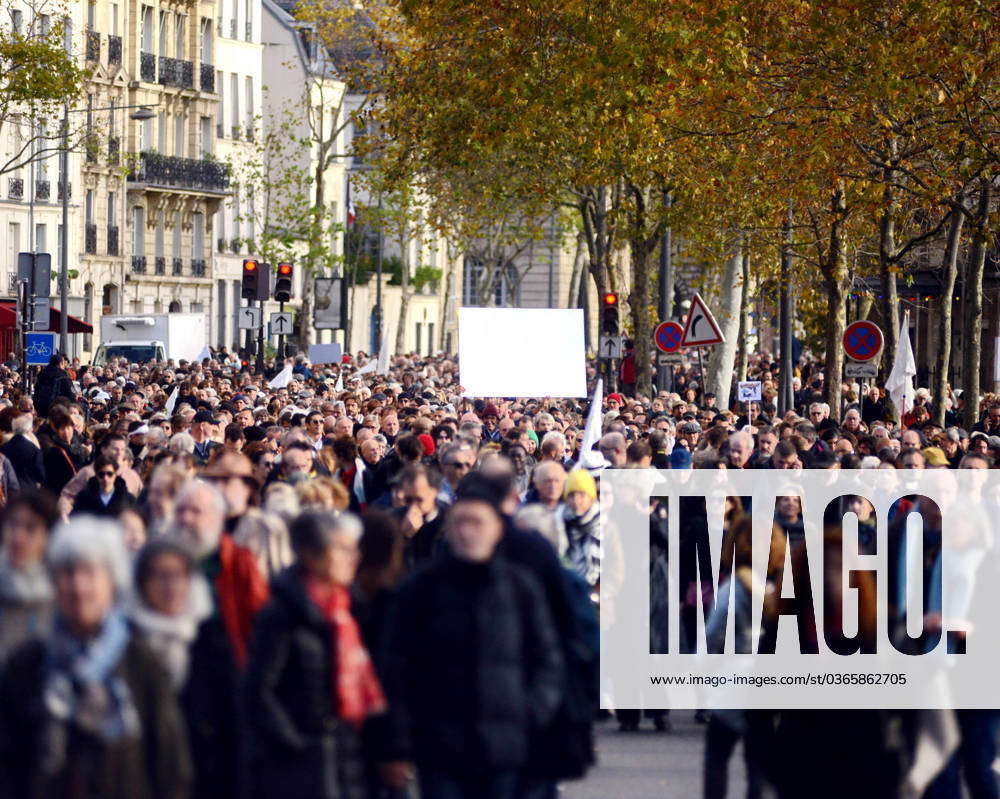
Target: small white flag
x,y
368,367
383,354
592,429
339,385
283,378
205,353
899,384
172,400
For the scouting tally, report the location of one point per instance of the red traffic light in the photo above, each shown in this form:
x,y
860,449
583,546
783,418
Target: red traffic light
x,y
610,298
284,269
249,266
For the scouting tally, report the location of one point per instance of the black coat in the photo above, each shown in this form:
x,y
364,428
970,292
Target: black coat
x,y
27,461
473,664
89,499
156,765
61,464
299,748
53,383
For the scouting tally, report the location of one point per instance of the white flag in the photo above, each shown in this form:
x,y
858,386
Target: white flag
x,y
283,378
339,385
900,381
383,354
172,400
368,367
592,429
205,353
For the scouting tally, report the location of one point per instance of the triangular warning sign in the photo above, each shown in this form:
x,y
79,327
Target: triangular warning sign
x,y
700,327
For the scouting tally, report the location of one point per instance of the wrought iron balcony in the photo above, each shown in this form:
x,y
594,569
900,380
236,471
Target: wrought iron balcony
x,y
41,190
147,67
221,245
198,267
207,78
15,188
139,264
178,266
113,240
160,265
114,49
175,72
114,150
232,27
235,245
63,186
93,39
90,238
183,173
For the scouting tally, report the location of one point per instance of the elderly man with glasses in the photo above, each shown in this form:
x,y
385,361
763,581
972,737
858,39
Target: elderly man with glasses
x,y
456,462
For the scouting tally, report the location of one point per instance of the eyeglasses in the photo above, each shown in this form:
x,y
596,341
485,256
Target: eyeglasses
x,y
105,474
459,465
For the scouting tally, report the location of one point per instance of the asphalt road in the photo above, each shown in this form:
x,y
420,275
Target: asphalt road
x,y
651,765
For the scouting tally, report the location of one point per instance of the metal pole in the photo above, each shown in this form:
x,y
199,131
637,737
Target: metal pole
x,y
64,239
378,281
701,376
260,339
786,398
665,371
281,337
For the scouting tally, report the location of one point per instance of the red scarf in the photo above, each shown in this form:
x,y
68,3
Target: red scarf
x,y
355,685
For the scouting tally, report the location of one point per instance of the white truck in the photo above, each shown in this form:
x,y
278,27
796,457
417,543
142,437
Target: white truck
x,y
142,338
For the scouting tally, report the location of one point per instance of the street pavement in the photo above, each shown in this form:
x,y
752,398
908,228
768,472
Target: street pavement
x,y
652,765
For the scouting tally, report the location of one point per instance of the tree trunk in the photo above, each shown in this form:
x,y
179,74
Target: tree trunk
x,y
949,268
579,261
642,332
405,292
742,354
973,292
835,279
889,305
719,379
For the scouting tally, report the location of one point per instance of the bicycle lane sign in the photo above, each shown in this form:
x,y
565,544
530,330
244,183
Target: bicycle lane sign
x,y
39,347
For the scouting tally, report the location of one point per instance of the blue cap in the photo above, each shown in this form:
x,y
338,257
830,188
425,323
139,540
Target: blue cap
x,y
680,458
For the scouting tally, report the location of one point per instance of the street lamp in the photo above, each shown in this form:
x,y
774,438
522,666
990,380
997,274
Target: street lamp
x,y
143,112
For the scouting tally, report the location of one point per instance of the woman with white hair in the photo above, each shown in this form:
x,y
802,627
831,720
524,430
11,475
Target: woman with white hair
x,y
310,684
88,710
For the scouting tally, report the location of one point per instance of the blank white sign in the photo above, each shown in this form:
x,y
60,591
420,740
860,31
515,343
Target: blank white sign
x,y
522,352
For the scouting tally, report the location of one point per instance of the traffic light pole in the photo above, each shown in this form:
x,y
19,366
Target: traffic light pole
x,y
64,235
260,339
281,336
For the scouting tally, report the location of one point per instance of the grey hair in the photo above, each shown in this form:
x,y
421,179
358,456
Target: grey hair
x,y
21,425
88,539
182,443
553,435
197,484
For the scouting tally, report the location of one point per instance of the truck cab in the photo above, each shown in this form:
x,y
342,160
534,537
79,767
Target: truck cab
x,y
132,351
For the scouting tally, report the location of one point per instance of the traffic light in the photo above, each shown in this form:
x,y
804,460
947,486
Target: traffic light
x,y
609,314
283,283
256,280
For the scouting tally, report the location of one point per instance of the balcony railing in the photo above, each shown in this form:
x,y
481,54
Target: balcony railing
x,y
198,267
183,173
147,67
93,45
63,186
114,150
41,190
160,265
90,238
207,78
114,49
139,264
113,240
15,188
178,266
232,27
175,72
221,245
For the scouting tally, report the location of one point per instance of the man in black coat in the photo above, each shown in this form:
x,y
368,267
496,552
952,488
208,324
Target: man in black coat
x,y
52,385
473,663
24,455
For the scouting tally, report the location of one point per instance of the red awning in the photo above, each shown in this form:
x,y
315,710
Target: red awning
x,y
8,319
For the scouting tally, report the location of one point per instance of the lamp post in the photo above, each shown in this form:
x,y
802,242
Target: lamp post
x,y
143,112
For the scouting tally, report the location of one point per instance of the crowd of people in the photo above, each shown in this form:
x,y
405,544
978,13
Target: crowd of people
x,y
328,582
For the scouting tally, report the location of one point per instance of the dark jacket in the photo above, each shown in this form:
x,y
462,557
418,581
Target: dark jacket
x,y
473,664
203,453
89,499
26,459
298,745
53,383
156,765
61,464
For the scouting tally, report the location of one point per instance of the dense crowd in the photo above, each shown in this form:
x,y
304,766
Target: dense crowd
x,y
327,582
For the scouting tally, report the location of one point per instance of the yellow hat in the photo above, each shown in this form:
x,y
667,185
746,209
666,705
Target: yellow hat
x,y
580,480
935,456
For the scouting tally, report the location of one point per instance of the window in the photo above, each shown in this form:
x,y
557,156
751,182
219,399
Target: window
x,y
234,84
68,34
159,236
198,235
43,163
146,135
89,207
91,14
161,133
147,29
220,224
164,20
138,230
249,108
205,136
174,307
41,244
177,235
220,109
137,306
44,24
237,216
248,14
179,135
112,210
17,19
114,19
13,242
179,31
205,45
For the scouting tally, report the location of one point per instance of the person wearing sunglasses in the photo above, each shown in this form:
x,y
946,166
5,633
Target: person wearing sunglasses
x,y
105,493
456,462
